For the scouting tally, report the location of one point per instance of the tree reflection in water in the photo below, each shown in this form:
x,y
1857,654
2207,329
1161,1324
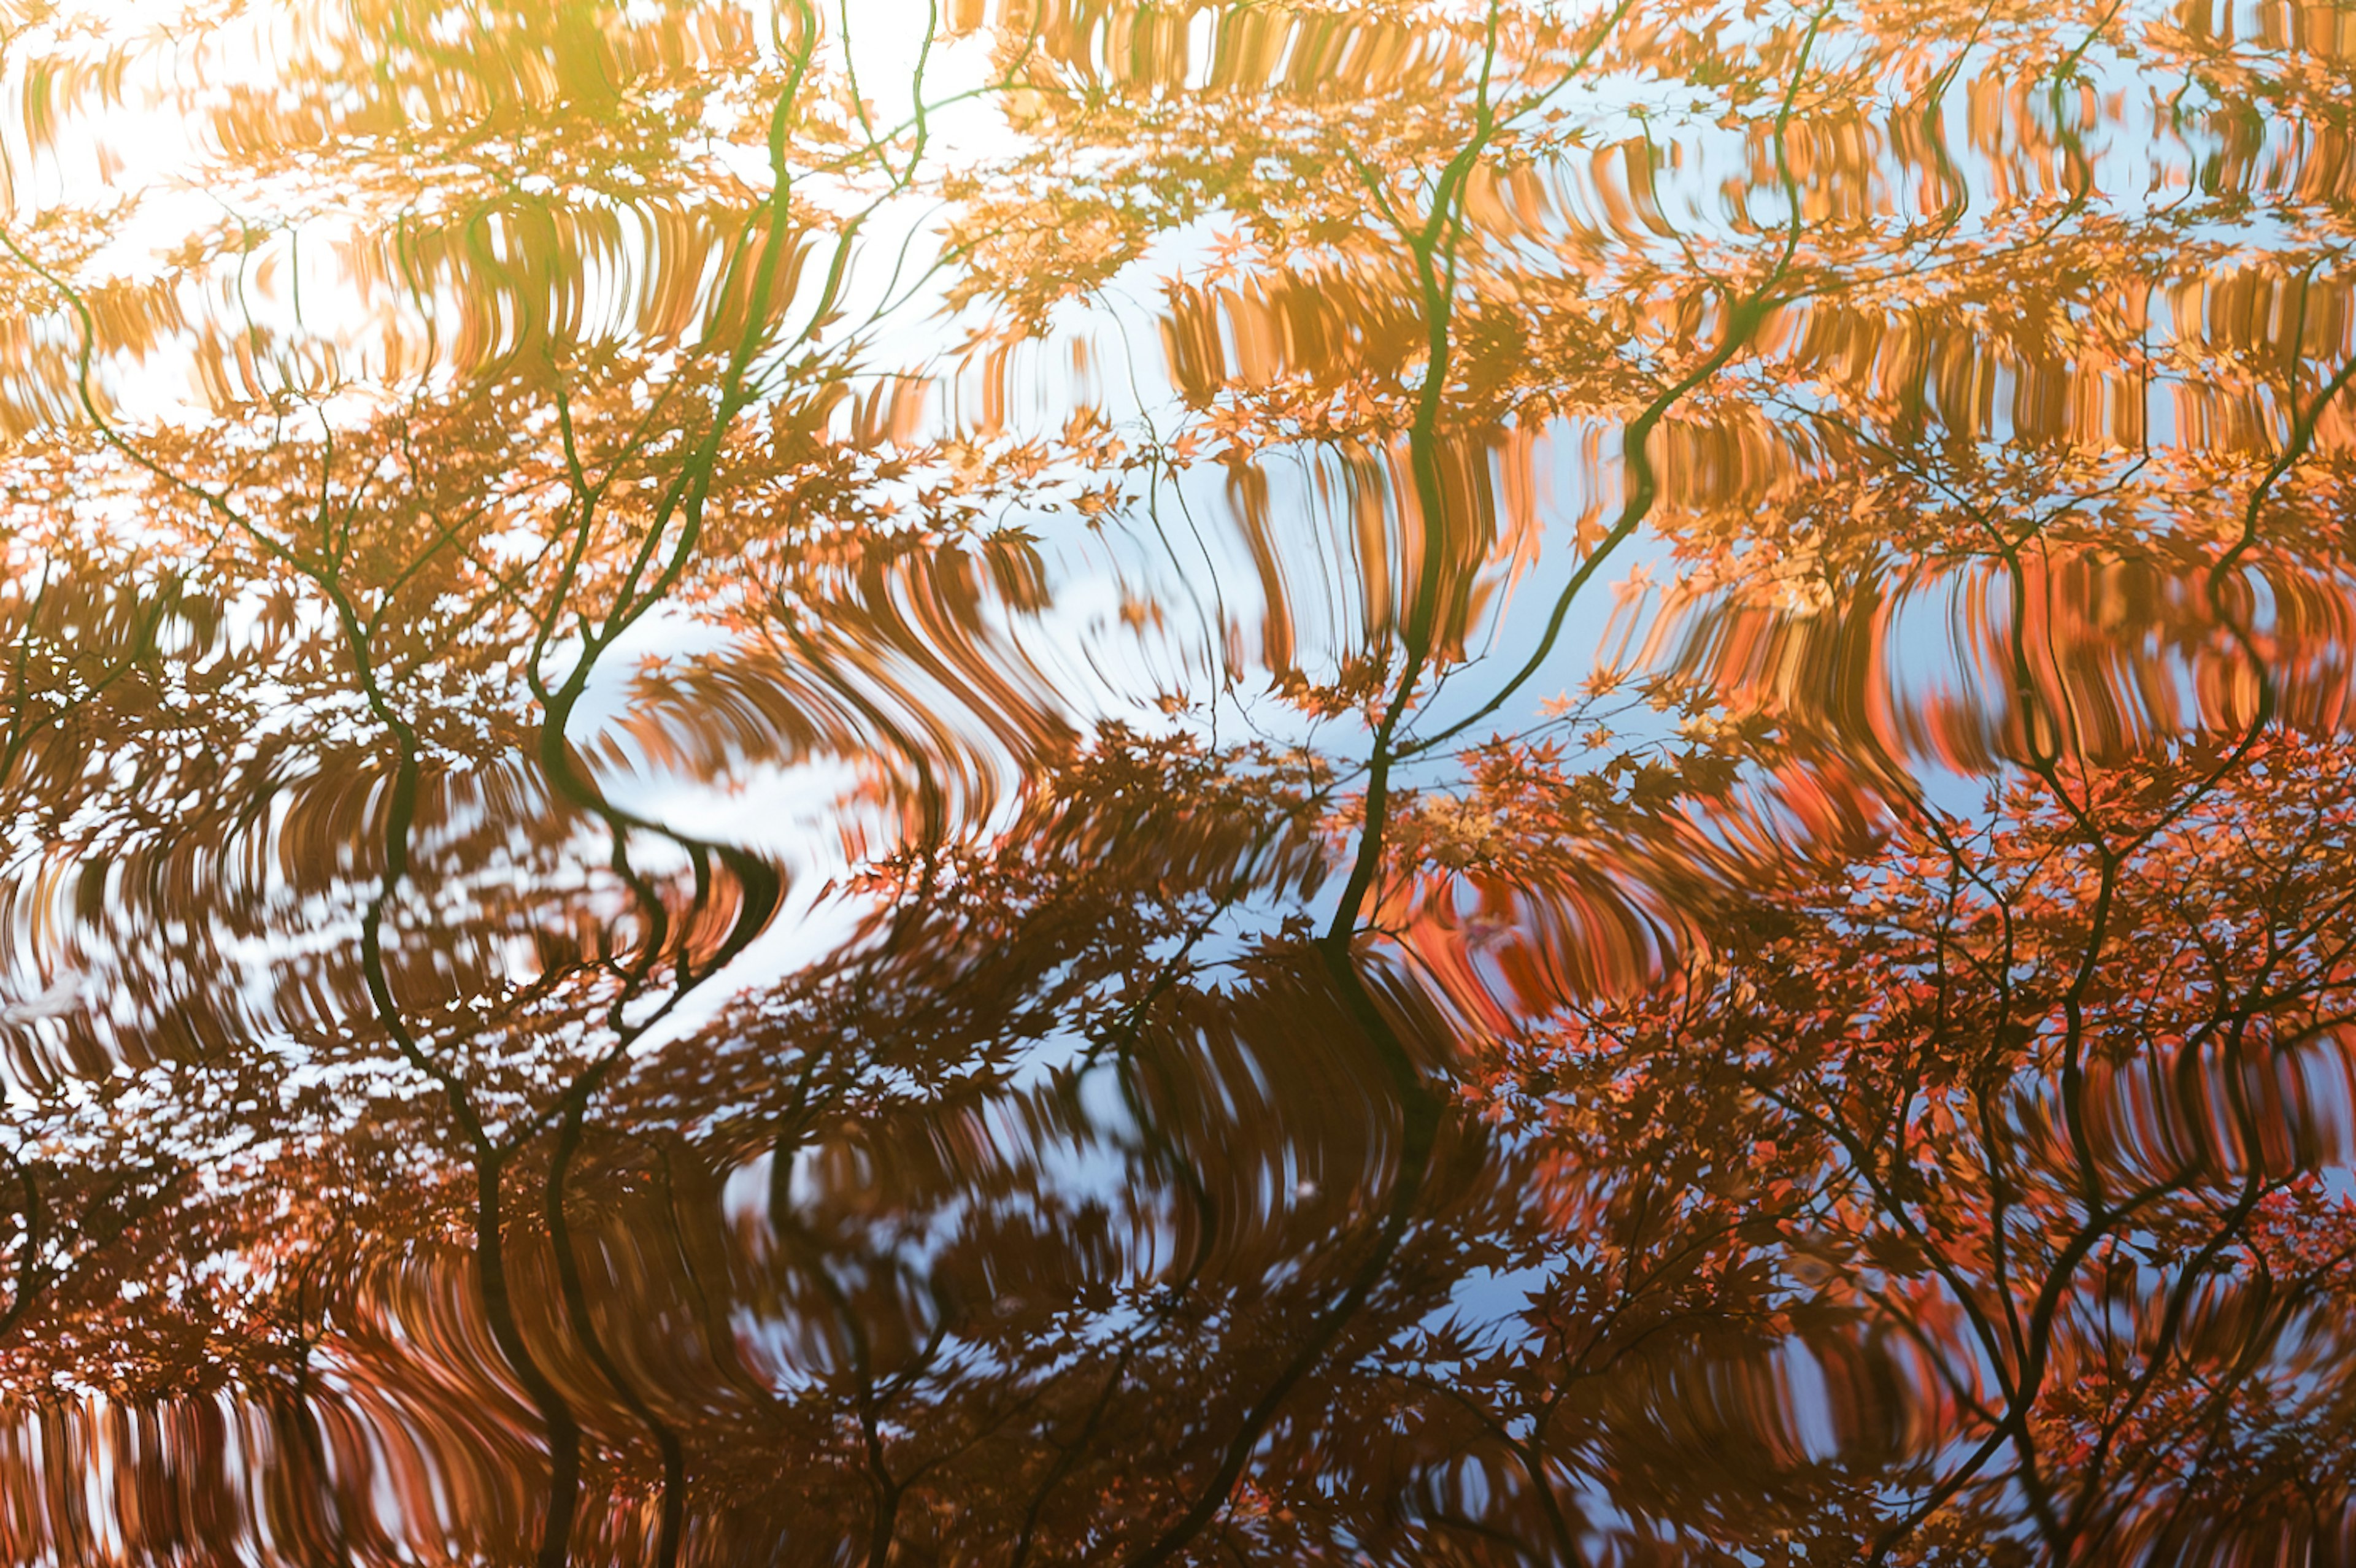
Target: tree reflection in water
x,y
1045,782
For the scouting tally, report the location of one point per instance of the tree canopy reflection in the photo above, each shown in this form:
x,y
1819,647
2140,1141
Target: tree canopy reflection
x,y
1015,784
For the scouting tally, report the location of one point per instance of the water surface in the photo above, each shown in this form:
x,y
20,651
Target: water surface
x,y
1047,782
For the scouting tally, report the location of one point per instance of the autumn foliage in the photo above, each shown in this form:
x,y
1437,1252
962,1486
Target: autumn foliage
x,y
1053,781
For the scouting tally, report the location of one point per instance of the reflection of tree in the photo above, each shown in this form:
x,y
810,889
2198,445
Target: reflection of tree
x,y
2012,1120
447,557
1712,1145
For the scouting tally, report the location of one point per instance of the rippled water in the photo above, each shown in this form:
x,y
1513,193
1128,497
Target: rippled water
x,y
1056,781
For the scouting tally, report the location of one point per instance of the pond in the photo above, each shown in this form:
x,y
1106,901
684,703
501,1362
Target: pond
x,y
1027,782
